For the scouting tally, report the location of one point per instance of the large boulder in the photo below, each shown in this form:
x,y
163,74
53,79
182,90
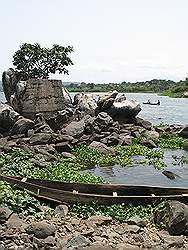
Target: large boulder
x,y
103,121
102,148
9,81
177,218
34,95
84,104
107,100
8,117
123,110
75,128
184,132
119,108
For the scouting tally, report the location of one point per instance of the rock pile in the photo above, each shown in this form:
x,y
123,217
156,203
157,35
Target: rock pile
x,y
62,231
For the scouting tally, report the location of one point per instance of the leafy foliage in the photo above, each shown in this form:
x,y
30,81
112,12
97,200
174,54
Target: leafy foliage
x,y
34,61
168,140
120,212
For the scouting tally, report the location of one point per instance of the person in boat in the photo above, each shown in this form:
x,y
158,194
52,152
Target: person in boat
x,y
148,101
158,102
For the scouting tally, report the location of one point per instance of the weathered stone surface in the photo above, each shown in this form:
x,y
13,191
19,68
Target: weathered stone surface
x,y
75,128
61,211
15,222
100,219
143,123
171,241
5,213
152,135
120,111
9,81
8,117
148,143
78,242
21,126
103,120
177,218
42,96
102,148
42,138
85,104
41,229
184,132
135,220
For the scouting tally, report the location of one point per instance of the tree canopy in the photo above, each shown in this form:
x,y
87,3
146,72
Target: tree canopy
x,y
34,61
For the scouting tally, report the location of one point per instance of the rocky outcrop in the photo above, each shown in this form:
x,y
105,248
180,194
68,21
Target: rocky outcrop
x,y
84,104
177,218
35,95
119,108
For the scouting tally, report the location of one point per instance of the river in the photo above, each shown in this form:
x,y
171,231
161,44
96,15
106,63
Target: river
x,y
171,110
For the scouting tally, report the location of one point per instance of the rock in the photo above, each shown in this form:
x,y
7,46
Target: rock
x,y
67,155
104,121
132,228
42,138
171,241
8,117
14,222
85,104
148,143
152,135
184,132
177,218
5,213
74,129
102,148
143,123
41,229
42,96
39,163
63,147
64,138
99,219
170,174
62,117
9,81
135,220
125,139
120,111
61,211
107,100
126,246
21,126
78,242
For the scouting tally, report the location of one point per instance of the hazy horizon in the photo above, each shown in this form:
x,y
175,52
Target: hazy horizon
x,y
114,41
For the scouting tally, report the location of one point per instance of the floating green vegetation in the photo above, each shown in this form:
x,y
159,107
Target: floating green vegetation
x,y
120,212
20,163
171,141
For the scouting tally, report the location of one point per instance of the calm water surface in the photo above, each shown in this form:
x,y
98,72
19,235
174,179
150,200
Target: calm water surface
x,y
142,174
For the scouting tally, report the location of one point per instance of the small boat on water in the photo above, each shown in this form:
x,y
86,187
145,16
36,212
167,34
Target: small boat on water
x,y
100,193
150,103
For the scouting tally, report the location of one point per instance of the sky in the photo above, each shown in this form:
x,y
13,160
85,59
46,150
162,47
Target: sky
x,y
113,40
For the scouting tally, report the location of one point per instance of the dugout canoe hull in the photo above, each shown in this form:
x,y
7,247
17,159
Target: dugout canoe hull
x,y
100,193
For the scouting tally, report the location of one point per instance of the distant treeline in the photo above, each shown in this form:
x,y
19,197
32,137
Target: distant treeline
x,y
154,86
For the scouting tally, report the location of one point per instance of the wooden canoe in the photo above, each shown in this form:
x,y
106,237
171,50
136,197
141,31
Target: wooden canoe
x,y
100,193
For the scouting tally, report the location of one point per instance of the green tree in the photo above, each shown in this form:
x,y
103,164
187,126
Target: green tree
x,y
34,61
